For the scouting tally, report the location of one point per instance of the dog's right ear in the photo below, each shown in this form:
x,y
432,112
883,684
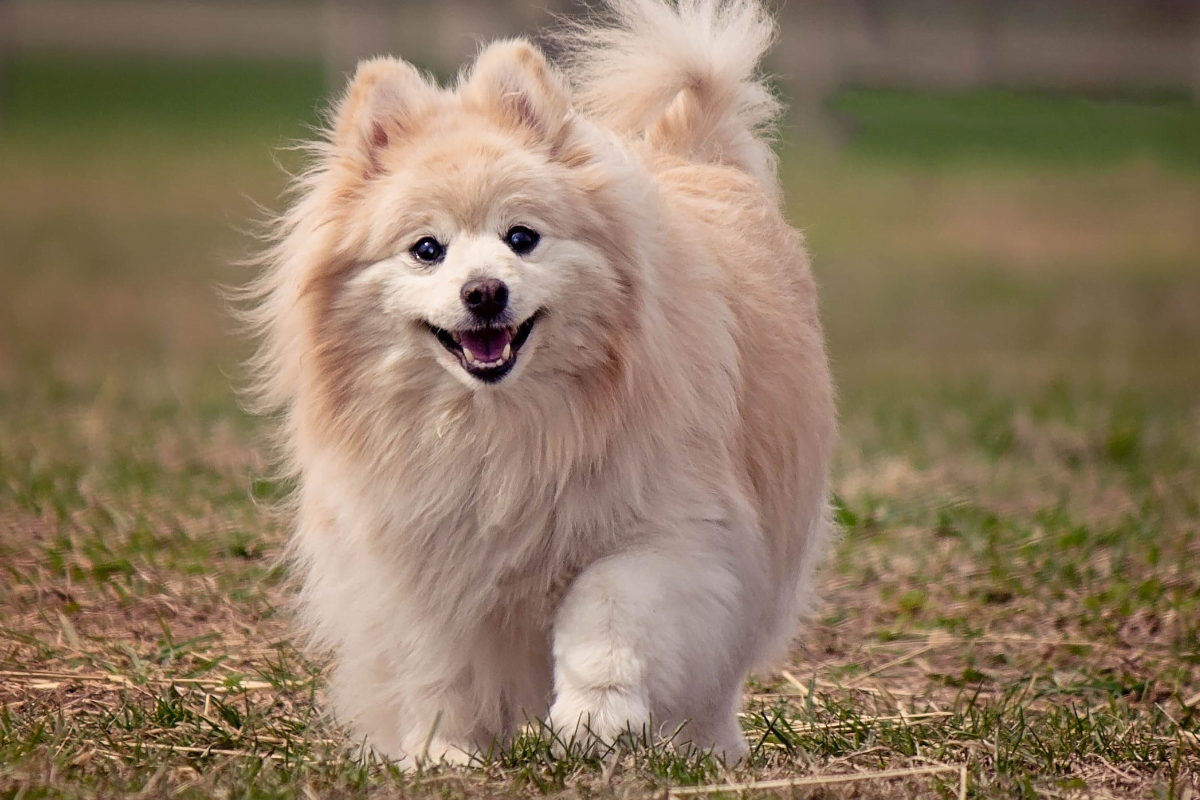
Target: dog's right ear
x,y
378,109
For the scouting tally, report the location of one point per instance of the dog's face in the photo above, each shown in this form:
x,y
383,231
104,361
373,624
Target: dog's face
x,y
481,234
483,257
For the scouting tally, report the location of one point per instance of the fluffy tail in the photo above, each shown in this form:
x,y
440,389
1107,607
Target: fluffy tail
x,y
682,73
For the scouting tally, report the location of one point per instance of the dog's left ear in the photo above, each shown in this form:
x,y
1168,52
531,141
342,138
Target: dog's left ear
x,y
513,79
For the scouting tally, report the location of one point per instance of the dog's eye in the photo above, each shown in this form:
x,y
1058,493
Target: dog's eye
x,y
428,250
521,240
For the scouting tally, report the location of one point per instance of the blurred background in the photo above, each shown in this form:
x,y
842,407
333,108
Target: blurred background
x,y
1002,198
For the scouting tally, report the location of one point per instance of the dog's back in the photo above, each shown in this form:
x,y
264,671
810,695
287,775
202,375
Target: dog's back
x,y
682,82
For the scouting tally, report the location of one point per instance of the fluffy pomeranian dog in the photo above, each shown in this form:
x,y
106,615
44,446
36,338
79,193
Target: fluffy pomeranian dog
x,y
551,381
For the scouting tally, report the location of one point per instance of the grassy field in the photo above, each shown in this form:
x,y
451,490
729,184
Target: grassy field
x,y
1012,295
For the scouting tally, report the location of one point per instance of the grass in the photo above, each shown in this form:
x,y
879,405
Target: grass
x,y
1017,342
1054,129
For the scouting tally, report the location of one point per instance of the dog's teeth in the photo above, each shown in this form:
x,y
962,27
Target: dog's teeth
x,y
469,356
455,336
507,353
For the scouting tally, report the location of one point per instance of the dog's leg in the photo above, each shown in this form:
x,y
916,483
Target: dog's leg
x,y
654,637
421,695
403,713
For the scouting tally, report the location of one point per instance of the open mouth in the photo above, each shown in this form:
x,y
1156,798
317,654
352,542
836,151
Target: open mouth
x,y
487,352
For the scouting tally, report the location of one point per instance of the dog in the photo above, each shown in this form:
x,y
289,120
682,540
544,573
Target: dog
x,y
548,373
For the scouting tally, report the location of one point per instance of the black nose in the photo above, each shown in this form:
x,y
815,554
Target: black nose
x,y
485,298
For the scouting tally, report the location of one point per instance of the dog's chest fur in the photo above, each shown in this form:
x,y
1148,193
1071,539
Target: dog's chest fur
x,y
487,521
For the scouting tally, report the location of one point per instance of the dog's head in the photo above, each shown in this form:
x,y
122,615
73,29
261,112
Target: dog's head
x,y
484,232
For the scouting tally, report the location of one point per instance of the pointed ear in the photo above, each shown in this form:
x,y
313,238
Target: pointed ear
x,y
513,79
378,109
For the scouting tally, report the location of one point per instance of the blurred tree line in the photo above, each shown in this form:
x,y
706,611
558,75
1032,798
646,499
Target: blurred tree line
x,y
824,44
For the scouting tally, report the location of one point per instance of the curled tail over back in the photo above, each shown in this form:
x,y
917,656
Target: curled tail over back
x,y
683,74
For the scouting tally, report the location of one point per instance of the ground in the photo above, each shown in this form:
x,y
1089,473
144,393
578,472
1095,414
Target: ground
x,y
1011,286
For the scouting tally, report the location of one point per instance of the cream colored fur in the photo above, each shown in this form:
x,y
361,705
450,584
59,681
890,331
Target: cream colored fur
x,y
618,531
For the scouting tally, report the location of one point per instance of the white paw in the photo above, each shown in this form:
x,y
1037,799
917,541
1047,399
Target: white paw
x,y
592,721
733,750
435,752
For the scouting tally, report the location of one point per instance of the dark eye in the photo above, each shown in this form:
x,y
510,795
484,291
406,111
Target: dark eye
x,y
521,239
428,250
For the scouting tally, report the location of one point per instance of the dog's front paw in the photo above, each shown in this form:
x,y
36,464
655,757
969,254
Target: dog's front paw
x,y
433,752
591,722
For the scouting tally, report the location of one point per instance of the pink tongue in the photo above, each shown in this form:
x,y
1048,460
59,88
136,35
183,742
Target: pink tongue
x,y
485,344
